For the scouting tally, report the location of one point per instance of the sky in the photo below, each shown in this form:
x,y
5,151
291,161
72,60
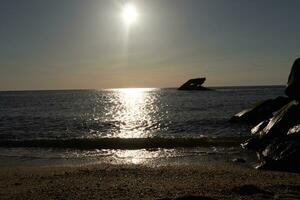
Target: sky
x,y
85,44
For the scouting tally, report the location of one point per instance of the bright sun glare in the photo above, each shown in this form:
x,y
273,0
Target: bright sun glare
x,y
129,14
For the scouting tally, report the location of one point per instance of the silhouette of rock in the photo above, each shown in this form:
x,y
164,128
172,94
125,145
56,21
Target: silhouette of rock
x,y
293,87
261,111
194,84
254,143
277,140
276,137
282,153
283,120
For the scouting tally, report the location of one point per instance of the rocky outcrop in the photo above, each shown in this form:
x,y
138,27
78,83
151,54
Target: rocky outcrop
x,y
278,125
260,111
276,137
194,84
282,153
293,87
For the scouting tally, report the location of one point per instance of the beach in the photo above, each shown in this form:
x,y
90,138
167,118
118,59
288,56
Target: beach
x,y
107,181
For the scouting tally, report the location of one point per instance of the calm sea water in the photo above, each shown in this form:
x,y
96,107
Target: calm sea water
x,y
47,125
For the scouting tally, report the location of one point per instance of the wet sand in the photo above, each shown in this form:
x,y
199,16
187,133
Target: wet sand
x,y
103,181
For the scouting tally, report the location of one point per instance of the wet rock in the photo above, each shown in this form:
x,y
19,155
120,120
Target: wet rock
x,y
255,143
293,87
277,141
261,111
281,156
278,126
194,84
283,152
283,120
260,127
294,131
276,137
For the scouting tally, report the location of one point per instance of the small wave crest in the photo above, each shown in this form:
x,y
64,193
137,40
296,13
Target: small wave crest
x,y
124,143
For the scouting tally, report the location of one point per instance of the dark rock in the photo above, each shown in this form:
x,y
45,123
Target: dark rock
x,y
276,138
293,86
260,127
194,84
294,131
261,111
283,120
255,143
277,141
283,152
277,126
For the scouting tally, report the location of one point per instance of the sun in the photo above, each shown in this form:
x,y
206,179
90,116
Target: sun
x,y
129,14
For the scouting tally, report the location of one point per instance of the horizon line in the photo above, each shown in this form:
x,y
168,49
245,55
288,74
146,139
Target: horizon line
x,y
103,89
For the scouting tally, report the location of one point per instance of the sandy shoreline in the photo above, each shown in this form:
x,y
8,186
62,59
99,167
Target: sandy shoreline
x,y
103,181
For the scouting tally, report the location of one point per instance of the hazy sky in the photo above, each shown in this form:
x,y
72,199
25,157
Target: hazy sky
x,y
76,44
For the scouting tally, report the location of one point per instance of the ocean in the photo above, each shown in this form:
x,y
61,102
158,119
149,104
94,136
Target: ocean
x,y
125,126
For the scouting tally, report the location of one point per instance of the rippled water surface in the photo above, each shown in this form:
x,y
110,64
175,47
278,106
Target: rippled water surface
x,y
123,113
128,113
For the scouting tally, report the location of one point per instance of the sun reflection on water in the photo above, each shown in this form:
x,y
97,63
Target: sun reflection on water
x,y
134,110
141,156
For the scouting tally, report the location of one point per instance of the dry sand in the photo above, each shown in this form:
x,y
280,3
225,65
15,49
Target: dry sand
x,y
207,181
